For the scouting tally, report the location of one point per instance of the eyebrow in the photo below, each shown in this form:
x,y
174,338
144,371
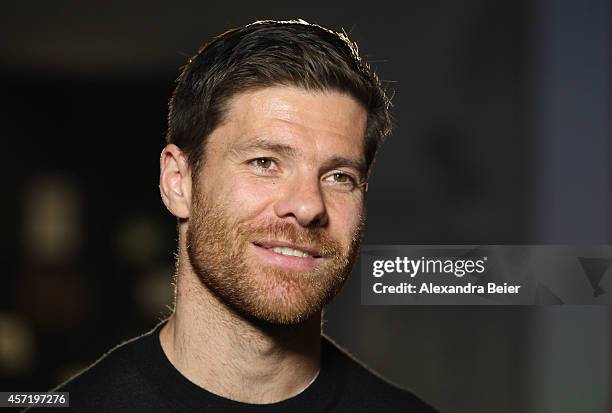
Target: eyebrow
x,y
290,151
264,144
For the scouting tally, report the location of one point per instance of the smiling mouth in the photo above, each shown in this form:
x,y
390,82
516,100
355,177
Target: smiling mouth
x,y
288,256
289,250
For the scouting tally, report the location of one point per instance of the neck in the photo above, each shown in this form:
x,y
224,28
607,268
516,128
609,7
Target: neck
x,y
240,359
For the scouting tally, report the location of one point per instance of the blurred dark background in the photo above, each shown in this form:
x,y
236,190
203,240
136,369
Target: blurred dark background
x,y
502,137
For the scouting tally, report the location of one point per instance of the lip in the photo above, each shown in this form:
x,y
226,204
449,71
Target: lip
x,y
271,244
264,251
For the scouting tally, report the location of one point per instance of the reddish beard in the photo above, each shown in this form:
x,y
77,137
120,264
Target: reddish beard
x,y
219,252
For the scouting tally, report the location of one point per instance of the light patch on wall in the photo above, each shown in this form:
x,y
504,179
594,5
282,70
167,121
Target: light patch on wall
x,y
16,345
52,219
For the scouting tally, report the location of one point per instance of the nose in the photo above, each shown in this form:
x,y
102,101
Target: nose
x,y
303,201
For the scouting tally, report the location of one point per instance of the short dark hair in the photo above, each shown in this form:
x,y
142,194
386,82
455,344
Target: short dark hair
x,y
271,53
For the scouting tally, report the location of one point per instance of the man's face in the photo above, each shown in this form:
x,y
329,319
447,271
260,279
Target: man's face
x,y
277,215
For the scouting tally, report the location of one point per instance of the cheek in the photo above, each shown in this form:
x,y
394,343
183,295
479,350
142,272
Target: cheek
x,y
344,217
245,198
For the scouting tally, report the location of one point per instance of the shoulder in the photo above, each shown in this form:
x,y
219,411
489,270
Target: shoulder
x,y
112,369
112,383
365,390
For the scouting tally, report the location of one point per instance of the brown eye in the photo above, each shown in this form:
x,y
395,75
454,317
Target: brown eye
x,y
341,177
340,181
264,166
263,163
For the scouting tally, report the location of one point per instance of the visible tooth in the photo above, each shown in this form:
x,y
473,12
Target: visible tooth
x,y
290,251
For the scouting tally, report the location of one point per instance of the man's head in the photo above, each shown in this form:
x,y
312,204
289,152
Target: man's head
x,y
272,131
270,53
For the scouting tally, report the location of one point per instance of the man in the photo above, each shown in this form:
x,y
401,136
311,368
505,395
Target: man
x,y
273,128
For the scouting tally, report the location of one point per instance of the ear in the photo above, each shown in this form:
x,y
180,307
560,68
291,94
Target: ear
x,y
175,181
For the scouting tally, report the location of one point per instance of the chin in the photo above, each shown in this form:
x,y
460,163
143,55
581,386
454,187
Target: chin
x,y
286,302
288,318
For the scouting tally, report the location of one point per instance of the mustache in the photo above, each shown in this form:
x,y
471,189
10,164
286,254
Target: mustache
x,y
270,230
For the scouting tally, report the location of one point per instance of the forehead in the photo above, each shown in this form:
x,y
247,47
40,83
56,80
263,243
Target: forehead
x,y
326,122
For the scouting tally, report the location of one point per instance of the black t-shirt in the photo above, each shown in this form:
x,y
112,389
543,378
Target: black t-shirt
x,y
137,376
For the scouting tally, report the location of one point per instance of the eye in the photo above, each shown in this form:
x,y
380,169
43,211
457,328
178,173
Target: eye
x,y
340,177
342,181
264,165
